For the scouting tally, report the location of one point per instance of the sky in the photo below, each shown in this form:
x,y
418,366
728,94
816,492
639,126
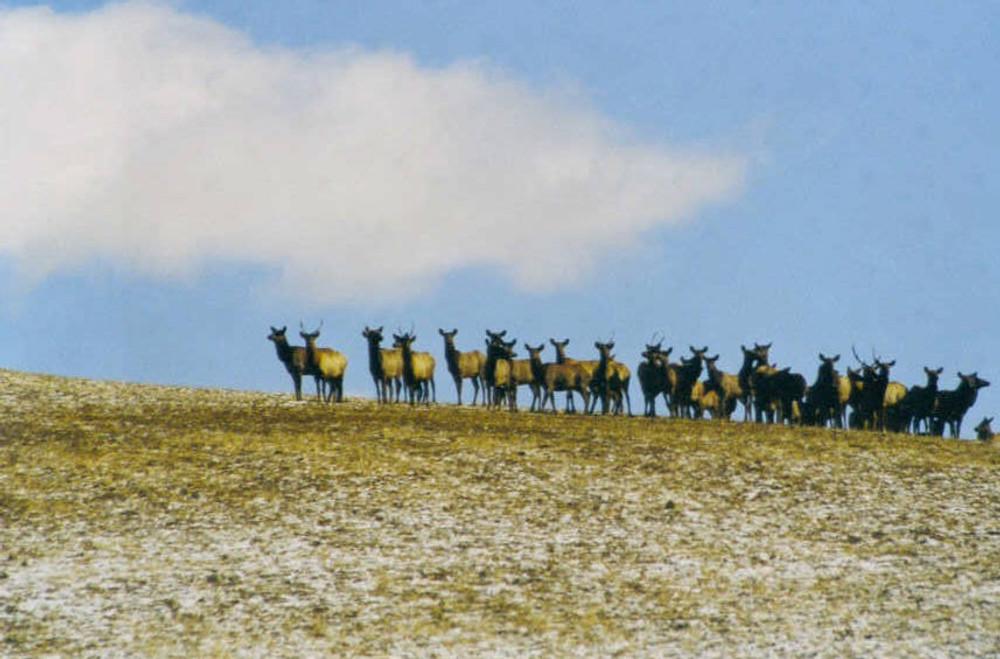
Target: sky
x,y
177,177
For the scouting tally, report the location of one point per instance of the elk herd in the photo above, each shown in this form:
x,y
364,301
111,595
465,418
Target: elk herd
x,y
864,398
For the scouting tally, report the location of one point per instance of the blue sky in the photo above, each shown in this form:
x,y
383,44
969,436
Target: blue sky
x,y
183,175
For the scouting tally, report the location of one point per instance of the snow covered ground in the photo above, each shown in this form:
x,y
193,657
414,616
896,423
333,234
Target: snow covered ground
x,y
143,520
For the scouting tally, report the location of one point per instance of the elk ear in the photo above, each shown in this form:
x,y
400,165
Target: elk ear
x,y
821,357
836,357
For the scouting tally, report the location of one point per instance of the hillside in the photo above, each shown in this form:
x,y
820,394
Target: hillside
x,y
152,520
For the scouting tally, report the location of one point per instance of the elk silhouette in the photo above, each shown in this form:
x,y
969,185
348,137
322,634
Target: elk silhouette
x,y
984,431
953,404
823,403
683,399
917,407
653,377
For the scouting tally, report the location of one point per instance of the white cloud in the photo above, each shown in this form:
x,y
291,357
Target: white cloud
x,y
139,135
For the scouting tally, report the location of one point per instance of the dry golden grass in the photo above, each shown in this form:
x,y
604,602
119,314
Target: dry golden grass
x,y
175,521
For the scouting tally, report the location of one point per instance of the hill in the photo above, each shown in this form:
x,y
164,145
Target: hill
x,y
143,519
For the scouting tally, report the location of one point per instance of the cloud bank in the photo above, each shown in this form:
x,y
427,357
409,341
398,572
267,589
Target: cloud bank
x,y
162,142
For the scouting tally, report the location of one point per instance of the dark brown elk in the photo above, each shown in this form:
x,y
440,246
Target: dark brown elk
x,y
682,402
984,431
612,379
418,371
653,376
724,386
328,364
568,376
823,403
463,365
497,372
917,407
385,366
492,339
953,404
879,395
294,359
778,394
856,379
751,359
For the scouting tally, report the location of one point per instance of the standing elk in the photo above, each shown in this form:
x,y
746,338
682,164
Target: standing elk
x,y
916,408
497,372
418,371
568,376
653,376
463,365
612,379
328,364
521,373
294,359
682,402
953,404
823,398
984,431
724,386
385,365
879,396
588,365
751,359
778,394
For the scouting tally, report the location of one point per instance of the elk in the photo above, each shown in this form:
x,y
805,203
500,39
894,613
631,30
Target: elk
x,y
823,398
588,365
917,406
385,365
569,375
856,379
612,379
751,358
328,364
953,404
497,370
492,339
653,378
878,394
463,365
984,431
682,402
294,359
778,394
522,374
725,387
418,371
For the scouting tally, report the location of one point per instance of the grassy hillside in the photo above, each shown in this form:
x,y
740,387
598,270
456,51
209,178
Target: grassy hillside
x,y
159,520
